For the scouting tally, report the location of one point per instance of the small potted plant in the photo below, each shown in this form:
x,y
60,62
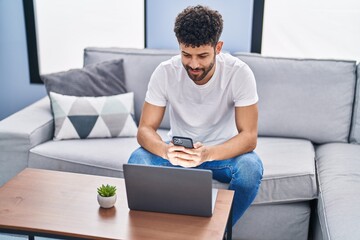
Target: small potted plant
x,y
106,196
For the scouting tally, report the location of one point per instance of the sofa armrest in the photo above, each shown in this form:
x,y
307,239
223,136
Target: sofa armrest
x,y
19,133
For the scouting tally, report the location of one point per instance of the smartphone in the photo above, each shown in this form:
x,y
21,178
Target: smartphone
x,y
183,141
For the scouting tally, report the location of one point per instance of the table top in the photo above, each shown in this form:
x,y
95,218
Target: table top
x,y
65,204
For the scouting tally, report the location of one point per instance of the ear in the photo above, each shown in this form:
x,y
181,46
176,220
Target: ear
x,y
218,46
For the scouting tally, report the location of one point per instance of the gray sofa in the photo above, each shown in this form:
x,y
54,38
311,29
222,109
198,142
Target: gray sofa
x,y
308,134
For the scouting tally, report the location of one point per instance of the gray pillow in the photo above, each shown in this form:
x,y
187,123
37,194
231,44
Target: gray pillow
x,y
101,79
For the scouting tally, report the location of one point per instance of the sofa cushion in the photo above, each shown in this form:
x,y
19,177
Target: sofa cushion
x,y
100,79
338,167
93,117
355,127
298,96
289,171
139,65
277,222
89,156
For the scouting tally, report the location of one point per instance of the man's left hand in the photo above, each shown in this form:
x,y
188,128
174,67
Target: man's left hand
x,y
190,157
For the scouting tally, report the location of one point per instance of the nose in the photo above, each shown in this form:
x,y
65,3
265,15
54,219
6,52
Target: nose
x,y
194,63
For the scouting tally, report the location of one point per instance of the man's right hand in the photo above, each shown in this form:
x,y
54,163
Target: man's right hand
x,y
185,157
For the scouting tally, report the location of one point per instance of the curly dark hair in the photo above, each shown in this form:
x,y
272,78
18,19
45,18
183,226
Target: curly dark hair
x,y
199,25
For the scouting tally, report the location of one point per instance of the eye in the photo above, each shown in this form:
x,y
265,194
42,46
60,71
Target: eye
x,y
203,56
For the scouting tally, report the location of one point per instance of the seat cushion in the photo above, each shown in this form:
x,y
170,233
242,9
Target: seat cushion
x,y
89,156
338,167
289,171
289,168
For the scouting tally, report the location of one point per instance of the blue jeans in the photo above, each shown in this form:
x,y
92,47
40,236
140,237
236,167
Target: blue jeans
x,y
244,173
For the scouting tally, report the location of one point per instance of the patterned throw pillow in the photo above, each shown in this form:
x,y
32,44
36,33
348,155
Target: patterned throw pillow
x,y
93,117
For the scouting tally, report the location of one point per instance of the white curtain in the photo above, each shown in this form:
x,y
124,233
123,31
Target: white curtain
x,y
66,27
312,29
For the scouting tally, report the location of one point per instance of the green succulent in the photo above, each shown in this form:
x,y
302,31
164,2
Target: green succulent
x,y
106,191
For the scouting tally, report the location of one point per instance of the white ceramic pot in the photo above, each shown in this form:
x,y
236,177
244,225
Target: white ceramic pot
x,y
106,202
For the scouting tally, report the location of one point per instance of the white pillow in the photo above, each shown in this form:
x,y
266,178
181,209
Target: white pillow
x,y
93,117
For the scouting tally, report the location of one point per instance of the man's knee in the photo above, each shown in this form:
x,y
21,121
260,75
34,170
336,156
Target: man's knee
x,y
249,169
138,156
142,156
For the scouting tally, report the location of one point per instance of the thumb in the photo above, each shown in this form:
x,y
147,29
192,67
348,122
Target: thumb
x,y
198,144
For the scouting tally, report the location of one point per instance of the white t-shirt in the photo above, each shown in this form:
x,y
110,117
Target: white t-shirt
x,y
205,113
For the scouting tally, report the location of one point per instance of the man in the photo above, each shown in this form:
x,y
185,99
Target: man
x,y
213,100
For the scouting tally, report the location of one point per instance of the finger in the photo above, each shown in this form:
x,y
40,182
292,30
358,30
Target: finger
x,y
183,156
175,161
198,144
176,155
186,163
196,153
190,151
172,155
176,148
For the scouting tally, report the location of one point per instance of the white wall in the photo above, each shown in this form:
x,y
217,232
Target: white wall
x,y
312,29
66,27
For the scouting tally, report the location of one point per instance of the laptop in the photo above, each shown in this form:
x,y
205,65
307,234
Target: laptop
x,y
170,189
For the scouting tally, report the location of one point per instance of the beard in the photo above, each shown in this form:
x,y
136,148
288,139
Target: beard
x,y
202,71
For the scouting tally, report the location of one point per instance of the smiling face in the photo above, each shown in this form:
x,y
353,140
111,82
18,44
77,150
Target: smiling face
x,y
199,62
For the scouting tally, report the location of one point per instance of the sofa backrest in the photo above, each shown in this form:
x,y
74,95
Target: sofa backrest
x,y
139,64
355,127
298,98
304,98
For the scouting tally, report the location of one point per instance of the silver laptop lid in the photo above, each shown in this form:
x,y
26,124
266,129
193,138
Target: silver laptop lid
x,y
169,189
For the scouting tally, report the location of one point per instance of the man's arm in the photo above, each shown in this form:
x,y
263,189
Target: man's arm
x,y
147,136
247,125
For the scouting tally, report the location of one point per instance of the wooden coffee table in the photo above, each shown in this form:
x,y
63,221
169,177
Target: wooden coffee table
x,y
64,205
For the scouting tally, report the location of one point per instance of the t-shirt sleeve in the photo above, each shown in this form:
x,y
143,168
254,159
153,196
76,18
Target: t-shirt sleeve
x,y
156,94
244,87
